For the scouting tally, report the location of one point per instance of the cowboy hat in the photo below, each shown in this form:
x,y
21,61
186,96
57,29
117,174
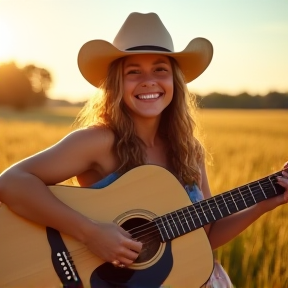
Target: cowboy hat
x,y
142,34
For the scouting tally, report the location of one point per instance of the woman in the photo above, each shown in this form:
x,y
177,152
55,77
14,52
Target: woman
x,y
142,114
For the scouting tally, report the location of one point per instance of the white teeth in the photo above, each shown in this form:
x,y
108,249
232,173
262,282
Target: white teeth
x,y
148,96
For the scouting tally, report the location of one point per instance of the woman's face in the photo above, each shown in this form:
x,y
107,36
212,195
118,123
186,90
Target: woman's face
x,y
148,84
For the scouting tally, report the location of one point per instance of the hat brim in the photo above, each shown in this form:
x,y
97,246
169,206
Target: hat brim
x,y
95,57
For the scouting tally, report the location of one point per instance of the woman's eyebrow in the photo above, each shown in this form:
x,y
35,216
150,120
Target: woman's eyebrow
x,y
160,61
156,62
131,65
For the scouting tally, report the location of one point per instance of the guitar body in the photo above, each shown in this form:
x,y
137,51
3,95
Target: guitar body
x,y
136,197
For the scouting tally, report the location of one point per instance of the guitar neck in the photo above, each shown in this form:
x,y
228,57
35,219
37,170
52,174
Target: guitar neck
x,y
190,218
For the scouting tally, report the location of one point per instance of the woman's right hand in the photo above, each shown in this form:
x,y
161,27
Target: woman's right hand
x,y
112,243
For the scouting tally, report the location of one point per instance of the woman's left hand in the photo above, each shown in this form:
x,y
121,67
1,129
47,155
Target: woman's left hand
x,y
283,181
281,199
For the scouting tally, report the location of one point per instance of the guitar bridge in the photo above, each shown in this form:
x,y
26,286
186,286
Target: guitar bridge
x,y
62,261
67,264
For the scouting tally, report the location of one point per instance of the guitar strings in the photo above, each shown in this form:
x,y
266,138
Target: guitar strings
x,y
207,205
152,235
81,254
202,210
78,251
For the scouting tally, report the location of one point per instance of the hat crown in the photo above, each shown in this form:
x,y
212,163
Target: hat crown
x,y
142,34
143,30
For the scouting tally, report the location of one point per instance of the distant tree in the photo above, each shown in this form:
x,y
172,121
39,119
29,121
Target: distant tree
x,y
217,100
276,100
40,78
247,101
21,88
15,88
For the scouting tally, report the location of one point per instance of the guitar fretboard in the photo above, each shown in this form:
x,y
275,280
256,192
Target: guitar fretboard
x,y
190,218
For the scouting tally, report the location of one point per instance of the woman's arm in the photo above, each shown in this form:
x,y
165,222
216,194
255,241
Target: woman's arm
x,y
23,188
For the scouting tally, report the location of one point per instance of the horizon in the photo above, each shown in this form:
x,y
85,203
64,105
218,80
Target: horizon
x,y
250,40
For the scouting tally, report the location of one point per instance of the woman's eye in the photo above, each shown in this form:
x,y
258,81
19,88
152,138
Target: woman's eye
x,y
161,69
133,72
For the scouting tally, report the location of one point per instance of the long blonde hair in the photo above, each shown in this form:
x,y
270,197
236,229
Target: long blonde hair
x,y
177,126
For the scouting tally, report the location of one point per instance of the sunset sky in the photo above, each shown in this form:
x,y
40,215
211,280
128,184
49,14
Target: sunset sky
x,y
250,39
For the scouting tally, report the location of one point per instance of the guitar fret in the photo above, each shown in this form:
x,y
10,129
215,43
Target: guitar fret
x,y
191,217
273,185
175,224
262,189
186,220
161,228
184,231
238,199
218,207
234,201
197,213
248,199
200,204
242,198
257,191
230,202
211,210
267,189
225,204
221,208
208,210
169,226
252,194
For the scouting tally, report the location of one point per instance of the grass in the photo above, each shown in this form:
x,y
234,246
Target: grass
x,y
248,145
245,145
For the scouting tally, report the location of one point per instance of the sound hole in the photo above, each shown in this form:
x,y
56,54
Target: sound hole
x,y
145,232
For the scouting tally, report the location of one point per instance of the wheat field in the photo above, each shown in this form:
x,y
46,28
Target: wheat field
x,y
242,146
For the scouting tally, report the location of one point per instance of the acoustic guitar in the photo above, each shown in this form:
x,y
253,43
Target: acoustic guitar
x,y
153,206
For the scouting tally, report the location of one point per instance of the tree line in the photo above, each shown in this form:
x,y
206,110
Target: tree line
x,y
272,100
25,87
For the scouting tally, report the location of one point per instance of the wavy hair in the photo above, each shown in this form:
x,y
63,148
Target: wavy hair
x,y
177,125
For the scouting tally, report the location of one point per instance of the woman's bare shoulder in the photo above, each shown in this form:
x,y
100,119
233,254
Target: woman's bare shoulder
x,y
93,142
93,133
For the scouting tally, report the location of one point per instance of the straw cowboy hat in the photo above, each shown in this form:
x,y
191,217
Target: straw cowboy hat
x,y
142,34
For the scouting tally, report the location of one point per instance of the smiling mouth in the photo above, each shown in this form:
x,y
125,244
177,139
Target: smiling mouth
x,y
149,96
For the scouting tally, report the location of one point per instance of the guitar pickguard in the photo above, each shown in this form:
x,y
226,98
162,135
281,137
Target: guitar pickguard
x,y
108,276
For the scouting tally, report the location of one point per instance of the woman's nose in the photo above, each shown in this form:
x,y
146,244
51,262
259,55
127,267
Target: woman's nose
x,y
148,84
148,81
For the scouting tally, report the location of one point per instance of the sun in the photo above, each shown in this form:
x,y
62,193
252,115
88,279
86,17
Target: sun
x,y
6,42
